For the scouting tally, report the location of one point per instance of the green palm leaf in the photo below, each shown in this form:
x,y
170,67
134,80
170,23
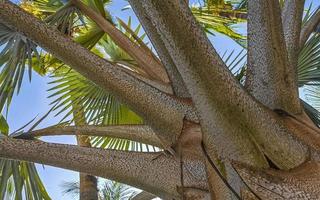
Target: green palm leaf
x,y
16,57
19,179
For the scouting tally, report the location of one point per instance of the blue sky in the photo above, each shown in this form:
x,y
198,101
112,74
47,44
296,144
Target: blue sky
x,y
33,101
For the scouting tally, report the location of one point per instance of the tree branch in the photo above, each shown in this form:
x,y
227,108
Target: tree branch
x,y
139,133
159,176
291,21
309,27
229,117
202,71
152,66
145,100
270,78
299,183
178,85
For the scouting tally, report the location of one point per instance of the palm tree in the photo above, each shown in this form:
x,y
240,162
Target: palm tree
x,y
226,135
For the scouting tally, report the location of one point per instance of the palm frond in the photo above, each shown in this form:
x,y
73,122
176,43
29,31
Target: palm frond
x,y
16,57
4,127
309,62
220,16
236,63
20,180
313,113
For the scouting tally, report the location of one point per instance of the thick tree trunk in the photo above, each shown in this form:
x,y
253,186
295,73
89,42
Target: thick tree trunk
x,y
88,183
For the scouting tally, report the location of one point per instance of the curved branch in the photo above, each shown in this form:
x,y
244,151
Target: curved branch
x,y
139,133
145,100
149,63
309,27
157,175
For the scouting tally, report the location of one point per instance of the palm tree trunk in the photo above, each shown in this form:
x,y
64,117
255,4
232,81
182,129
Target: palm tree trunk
x,y
88,183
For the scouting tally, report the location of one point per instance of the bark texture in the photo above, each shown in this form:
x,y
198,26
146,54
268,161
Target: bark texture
x,y
163,112
211,122
271,78
227,113
175,78
300,183
139,133
159,175
291,21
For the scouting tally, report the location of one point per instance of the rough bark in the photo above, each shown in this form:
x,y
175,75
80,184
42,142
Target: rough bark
x,y
270,77
300,183
138,133
163,112
176,80
152,66
228,115
88,183
291,21
151,172
309,27
180,33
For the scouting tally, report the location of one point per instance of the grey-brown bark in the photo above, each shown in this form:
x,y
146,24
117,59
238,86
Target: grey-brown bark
x,y
234,125
139,133
291,21
156,174
270,77
300,183
142,98
227,112
175,78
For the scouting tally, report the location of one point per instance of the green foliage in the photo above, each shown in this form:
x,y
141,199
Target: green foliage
x,y
17,53
309,62
108,190
220,19
20,180
4,127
